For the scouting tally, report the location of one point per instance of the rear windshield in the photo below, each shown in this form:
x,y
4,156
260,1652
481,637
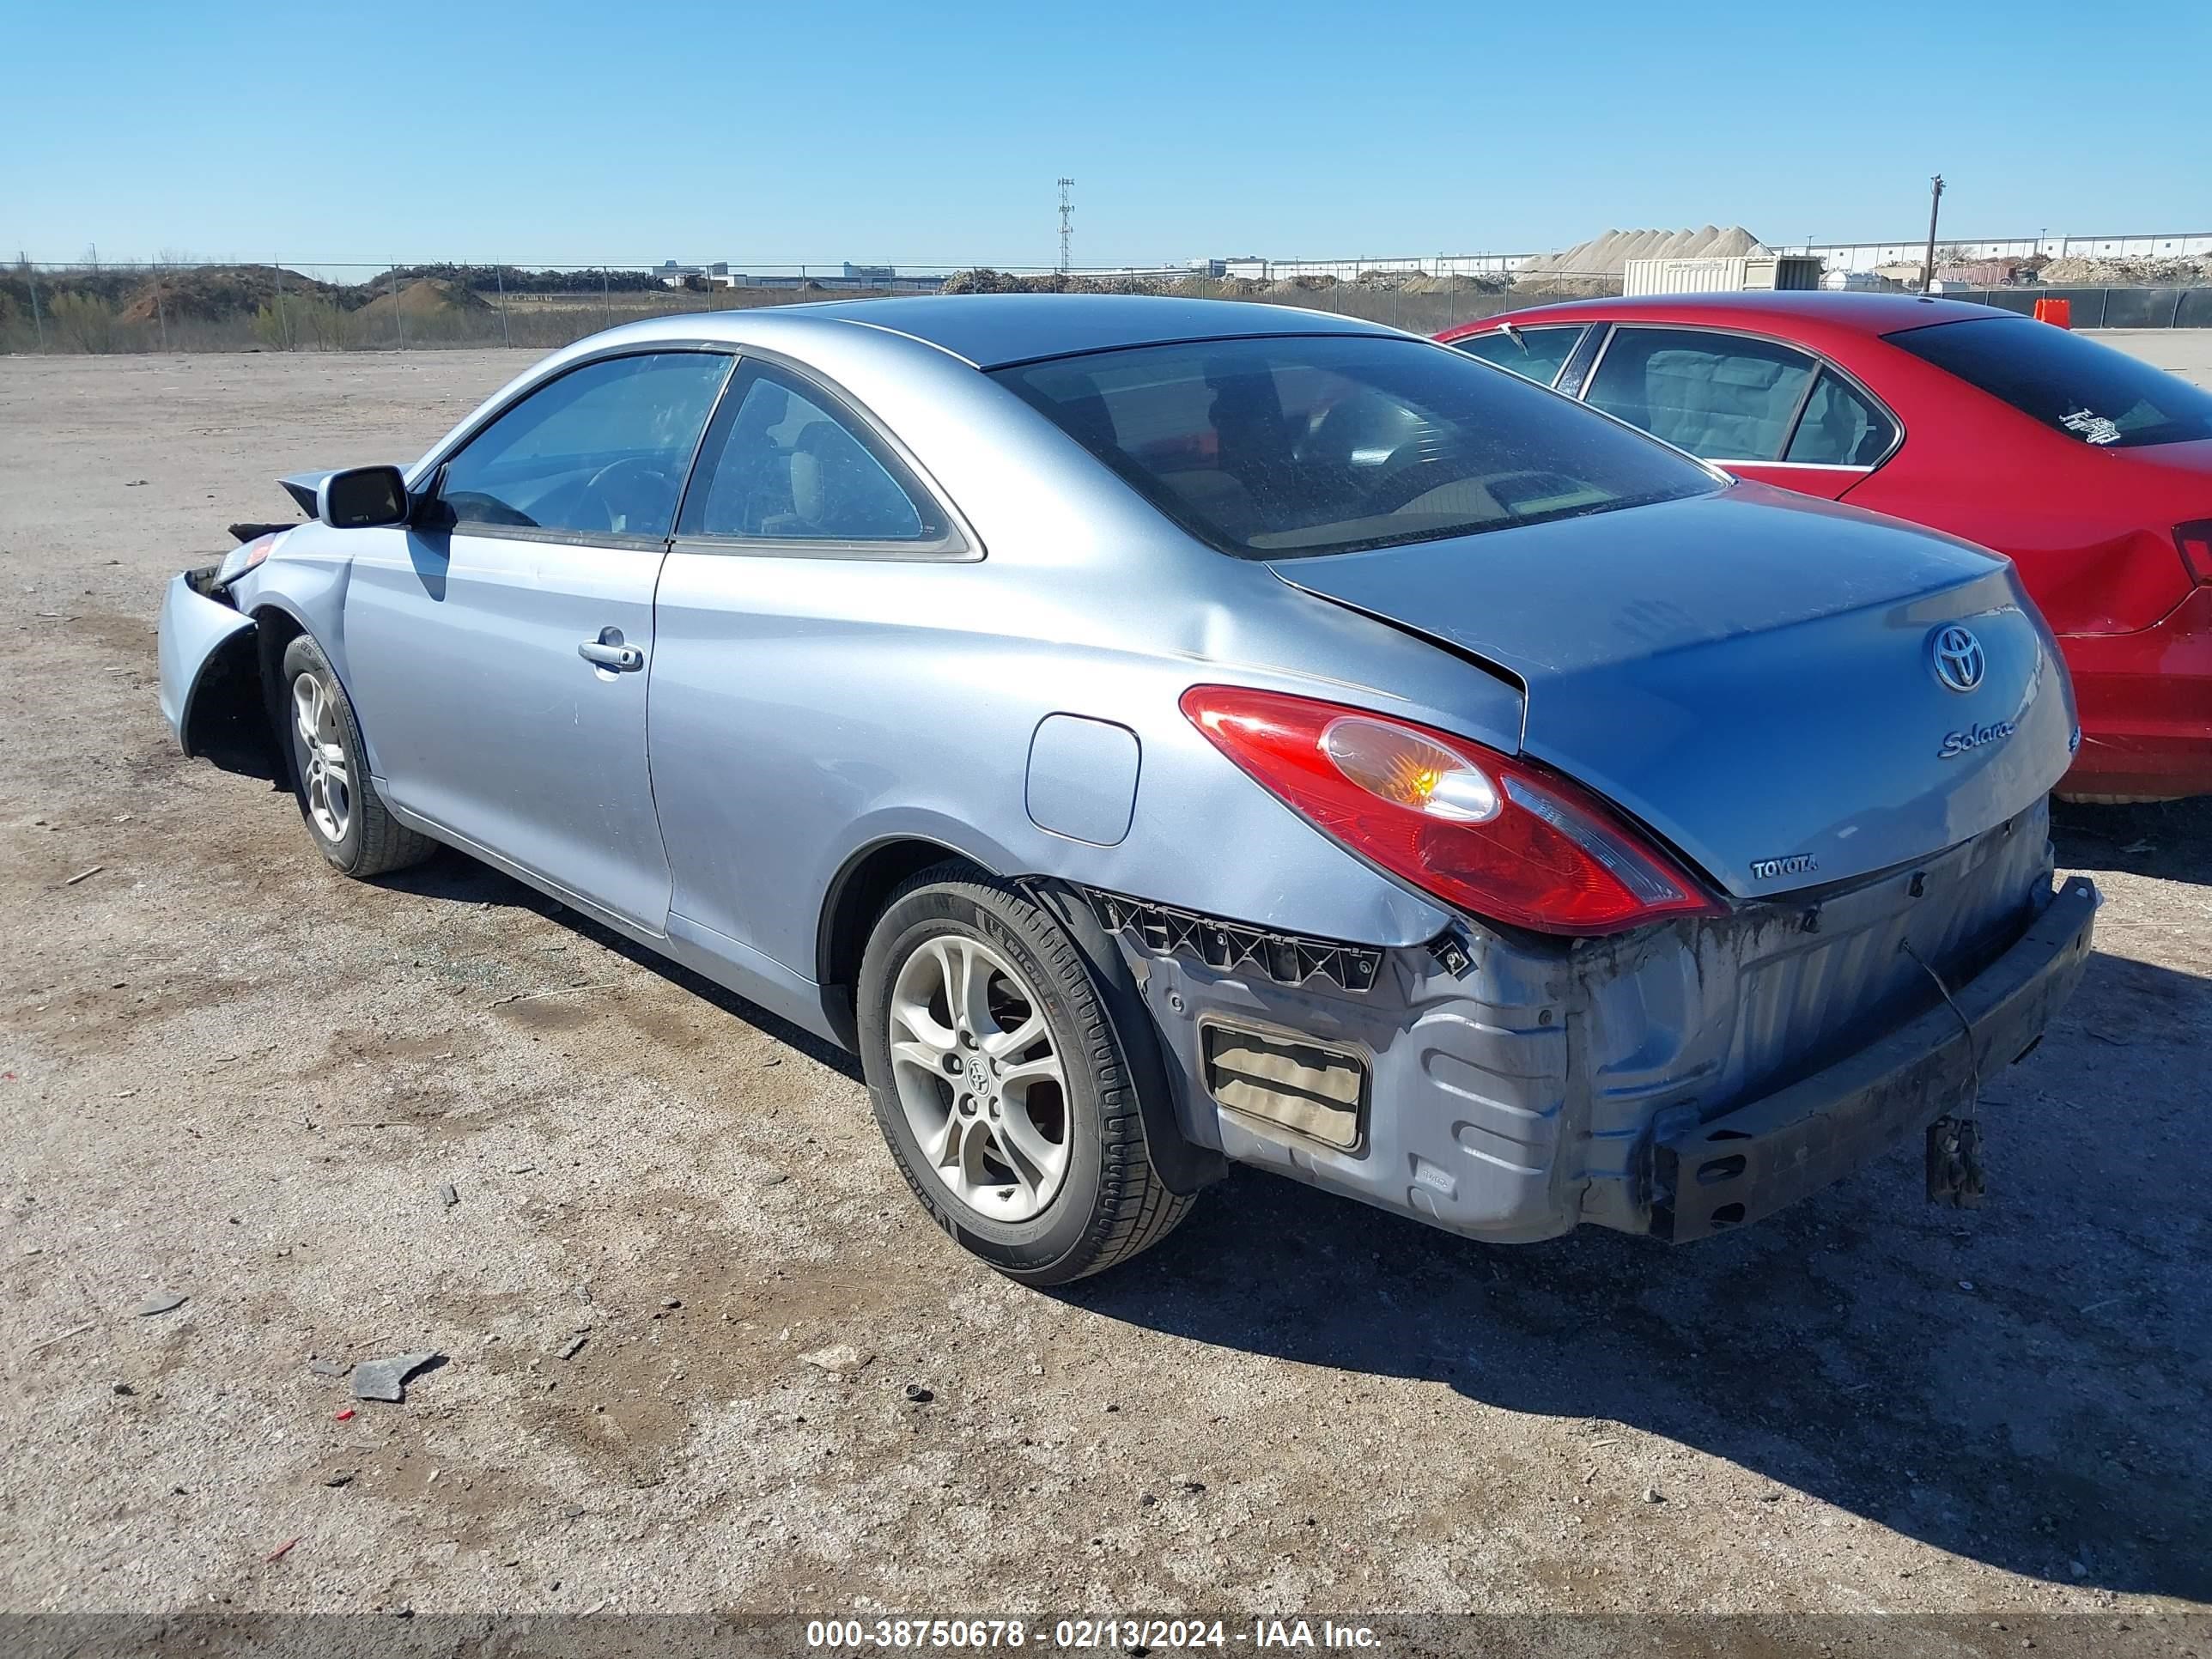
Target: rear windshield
x,y
1293,446
2074,385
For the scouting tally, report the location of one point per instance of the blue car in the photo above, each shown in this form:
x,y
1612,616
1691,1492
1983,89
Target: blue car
x,y
1164,734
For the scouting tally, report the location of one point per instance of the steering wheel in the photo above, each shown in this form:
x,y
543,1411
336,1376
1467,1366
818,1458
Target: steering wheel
x,y
606,491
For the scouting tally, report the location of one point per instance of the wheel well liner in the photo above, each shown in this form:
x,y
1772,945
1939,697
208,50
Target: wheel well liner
x,y
1183,1166
226,717
276,628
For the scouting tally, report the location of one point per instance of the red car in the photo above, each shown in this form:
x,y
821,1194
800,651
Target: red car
x,y
2091,470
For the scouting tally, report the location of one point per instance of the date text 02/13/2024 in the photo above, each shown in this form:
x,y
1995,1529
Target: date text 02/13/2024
x,y
1080,1635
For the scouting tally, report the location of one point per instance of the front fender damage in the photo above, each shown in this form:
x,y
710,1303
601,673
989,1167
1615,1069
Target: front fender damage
x,y
211,683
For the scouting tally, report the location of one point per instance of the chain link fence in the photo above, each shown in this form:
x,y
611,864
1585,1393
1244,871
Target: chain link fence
x,y
320,306
2102,307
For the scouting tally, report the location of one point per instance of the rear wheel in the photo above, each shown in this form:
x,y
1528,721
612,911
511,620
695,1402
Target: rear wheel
x,y
353,829
1000,1084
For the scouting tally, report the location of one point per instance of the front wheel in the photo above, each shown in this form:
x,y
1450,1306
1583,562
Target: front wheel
x,y
353,829
999,1083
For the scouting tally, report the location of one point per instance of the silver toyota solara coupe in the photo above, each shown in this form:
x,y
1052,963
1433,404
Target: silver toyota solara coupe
x,y
1160,734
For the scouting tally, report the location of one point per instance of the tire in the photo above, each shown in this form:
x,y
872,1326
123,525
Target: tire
x,y
1105,1203
352,827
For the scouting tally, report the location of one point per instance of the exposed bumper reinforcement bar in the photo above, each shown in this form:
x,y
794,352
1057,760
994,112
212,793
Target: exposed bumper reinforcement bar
x,y
1229,946
1752,1161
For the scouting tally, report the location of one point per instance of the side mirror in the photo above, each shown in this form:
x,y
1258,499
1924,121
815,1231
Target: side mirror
x,y
362,498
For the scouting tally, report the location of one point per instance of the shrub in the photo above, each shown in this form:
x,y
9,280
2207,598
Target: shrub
x,y
85,321
309,322
272,326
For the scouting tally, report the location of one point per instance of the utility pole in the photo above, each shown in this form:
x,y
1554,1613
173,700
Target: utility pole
x,y
1935,204
1066,222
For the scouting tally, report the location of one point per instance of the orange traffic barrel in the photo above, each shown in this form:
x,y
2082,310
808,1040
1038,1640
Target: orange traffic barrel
x,y
2059,313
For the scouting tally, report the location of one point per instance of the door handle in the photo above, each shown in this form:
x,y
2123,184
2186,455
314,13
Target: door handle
x,y
609,651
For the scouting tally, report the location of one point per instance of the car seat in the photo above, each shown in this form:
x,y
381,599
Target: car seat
x,y
750,484
839,492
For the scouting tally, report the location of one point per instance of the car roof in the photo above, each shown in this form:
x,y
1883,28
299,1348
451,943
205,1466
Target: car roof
x,y
993,330
1782,311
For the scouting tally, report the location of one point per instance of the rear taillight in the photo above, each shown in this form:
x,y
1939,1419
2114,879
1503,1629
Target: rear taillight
x,y
2195,541
1492,836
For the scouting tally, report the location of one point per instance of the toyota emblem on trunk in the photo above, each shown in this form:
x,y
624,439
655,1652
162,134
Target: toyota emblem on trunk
x,y
1956,656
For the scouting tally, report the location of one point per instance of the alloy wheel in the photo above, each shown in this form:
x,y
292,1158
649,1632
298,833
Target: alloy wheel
x,y
979,1077
324,775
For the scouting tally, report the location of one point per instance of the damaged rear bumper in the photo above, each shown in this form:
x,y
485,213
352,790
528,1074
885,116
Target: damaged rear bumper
x,y
1751,1162
1511,1088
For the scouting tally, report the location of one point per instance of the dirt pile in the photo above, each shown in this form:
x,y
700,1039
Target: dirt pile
x,y
1463,282
427,300
215,293
984,280
1421,281
2127,273
1608,256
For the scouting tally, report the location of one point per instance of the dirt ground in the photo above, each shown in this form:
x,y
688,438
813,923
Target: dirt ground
x,y
232,1076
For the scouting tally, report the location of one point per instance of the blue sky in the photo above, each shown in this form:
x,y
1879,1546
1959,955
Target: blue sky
x,y
932,131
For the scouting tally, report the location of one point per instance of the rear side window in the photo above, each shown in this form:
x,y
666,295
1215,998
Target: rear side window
x,y
1718,396
1840,426
1534,354
1292,446
2073,385
783,464
601,451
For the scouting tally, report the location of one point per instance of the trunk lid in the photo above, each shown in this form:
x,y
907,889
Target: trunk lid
x,y
1751,673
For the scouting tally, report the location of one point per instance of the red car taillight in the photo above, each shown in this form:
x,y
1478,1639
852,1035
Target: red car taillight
x,y
2195,541
1492,835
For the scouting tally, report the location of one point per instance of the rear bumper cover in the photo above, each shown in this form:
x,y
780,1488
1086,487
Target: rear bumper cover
x,y
1751,1162
1517,1088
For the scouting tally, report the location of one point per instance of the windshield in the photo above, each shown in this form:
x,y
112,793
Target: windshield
x,y
1293,446
2098,395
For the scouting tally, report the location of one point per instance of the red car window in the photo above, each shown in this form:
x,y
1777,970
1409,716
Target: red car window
x,y
1840,426
2073,385
1723,397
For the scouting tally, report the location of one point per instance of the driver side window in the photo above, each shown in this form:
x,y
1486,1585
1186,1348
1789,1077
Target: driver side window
x,y
601,451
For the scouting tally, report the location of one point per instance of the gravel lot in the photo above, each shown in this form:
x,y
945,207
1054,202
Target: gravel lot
x,y
233,1076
